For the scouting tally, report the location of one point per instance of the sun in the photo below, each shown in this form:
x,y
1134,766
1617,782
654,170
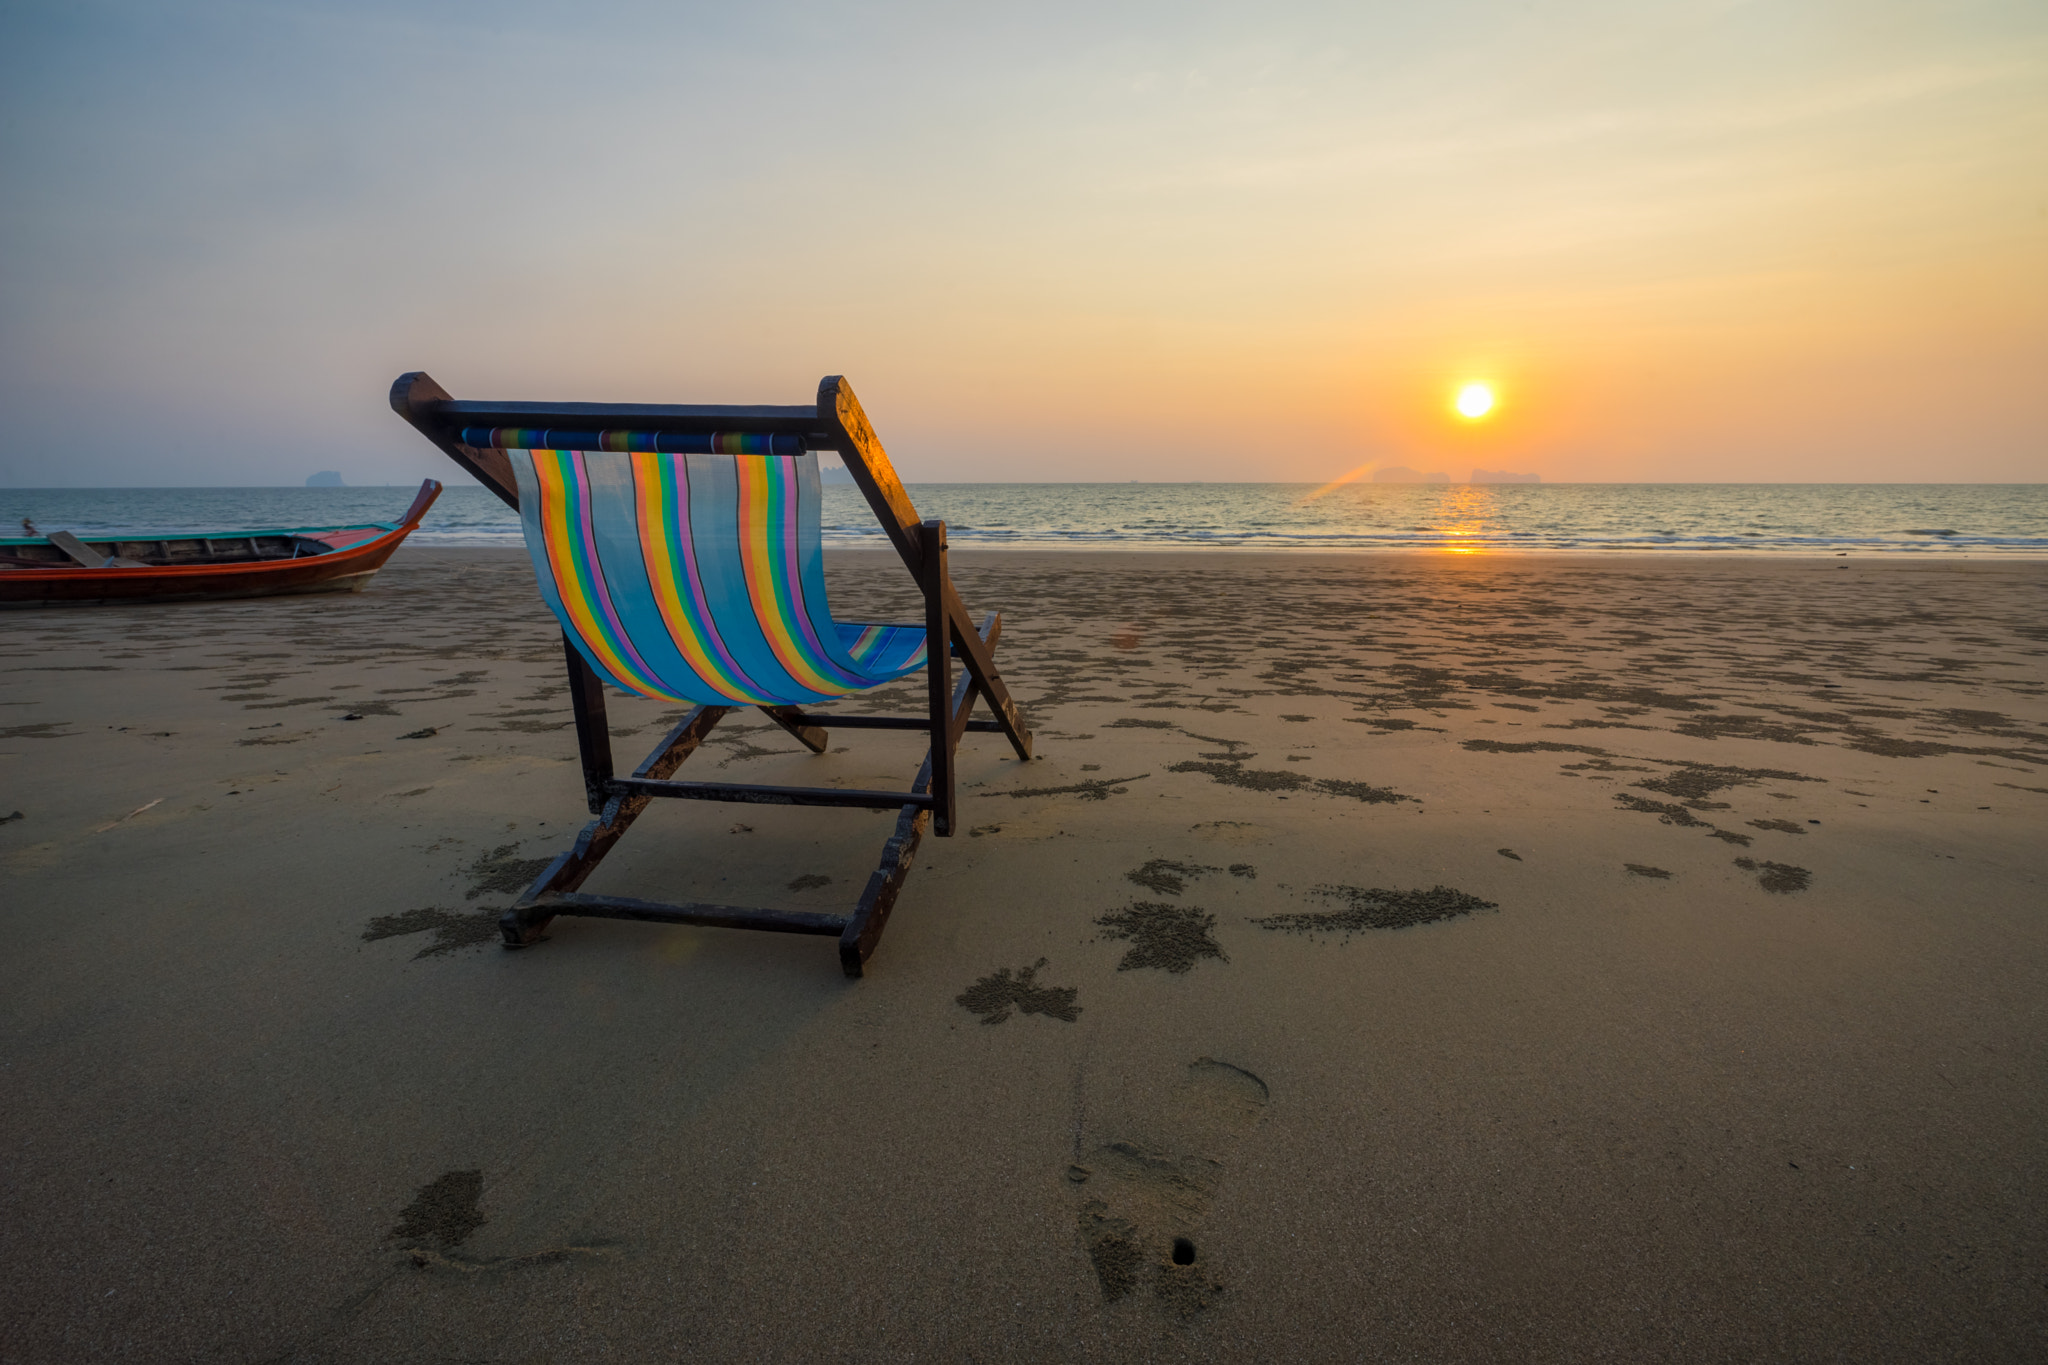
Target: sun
x,y
1474,402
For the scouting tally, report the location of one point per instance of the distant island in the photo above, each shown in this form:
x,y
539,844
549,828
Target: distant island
x,y
326,478
834,474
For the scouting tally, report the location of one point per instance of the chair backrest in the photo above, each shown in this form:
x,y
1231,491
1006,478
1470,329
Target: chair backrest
x,y
693,577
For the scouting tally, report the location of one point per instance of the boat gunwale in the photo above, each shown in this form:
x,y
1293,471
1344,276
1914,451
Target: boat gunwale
x,y
79,572
384,526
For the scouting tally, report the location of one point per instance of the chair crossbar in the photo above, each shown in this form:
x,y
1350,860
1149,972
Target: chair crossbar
x,y
454,414
762,443
831,722
711,916
752,794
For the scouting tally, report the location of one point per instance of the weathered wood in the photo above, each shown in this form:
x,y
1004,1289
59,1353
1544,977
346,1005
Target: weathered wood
x,y
777,419
956,720
110,557
978,658
414,395
834,722
878,898
527,921
681,742
847,429
593,733
840,412
938,671
864,930
76,548
691,912
754,794
792,720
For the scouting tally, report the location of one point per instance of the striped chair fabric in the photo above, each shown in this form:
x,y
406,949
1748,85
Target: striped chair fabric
x,y
696,578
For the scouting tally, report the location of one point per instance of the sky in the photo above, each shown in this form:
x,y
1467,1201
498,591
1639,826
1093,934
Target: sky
x,y
1686,241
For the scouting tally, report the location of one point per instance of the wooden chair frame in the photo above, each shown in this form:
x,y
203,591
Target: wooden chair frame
x,y
835,423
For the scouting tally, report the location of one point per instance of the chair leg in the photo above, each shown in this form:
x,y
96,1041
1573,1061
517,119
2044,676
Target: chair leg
x,y
977,657
864,931
527,921
871,915
593,736
938,672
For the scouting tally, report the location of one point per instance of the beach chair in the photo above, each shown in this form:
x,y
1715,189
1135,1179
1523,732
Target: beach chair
x,y
680,549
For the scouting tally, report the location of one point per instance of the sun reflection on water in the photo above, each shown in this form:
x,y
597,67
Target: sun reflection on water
x,y
1466,514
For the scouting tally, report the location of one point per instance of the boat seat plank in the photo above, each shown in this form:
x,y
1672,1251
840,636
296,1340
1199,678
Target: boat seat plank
x,y
77,549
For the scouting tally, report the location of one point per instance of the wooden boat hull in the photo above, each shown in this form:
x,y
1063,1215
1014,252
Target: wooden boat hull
x,y
346,569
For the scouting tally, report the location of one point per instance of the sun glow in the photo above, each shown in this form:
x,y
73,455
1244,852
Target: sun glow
x,y
1340,481
1474,402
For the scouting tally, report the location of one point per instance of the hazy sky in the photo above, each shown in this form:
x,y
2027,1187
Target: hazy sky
x,y
1685,241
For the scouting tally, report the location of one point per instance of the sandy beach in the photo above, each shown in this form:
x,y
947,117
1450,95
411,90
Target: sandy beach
x,y
1455,958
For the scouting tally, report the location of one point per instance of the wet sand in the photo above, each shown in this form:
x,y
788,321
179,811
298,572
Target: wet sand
x,y
1388,958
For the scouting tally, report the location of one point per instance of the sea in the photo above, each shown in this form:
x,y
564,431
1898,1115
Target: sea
x,y
1783,519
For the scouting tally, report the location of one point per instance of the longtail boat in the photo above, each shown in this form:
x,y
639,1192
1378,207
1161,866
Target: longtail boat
x,y
64,569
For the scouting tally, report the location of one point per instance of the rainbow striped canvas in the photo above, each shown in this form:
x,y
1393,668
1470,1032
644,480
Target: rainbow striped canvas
x,y
698,578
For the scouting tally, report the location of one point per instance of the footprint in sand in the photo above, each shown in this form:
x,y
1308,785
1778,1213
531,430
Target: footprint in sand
x,y
452,929
444,1214
1141,1210
1778,878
